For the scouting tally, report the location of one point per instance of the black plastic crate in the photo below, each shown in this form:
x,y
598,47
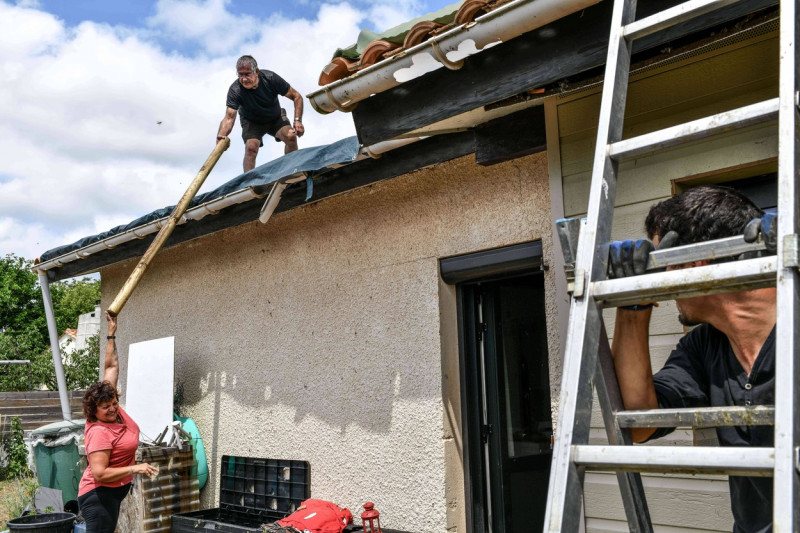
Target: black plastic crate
x,y
217,520
252,492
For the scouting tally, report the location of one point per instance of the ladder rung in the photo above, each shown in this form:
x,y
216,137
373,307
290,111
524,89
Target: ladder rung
x,y
732,276
702,251
677,459
670,17
696,129
706,417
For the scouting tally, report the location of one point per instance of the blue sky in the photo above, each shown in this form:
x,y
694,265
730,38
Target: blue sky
x,y
138,13
108,108
135,13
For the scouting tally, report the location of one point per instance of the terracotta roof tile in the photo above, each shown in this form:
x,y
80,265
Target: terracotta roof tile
x,y
379,49
338,68
421,32
472,9
375,51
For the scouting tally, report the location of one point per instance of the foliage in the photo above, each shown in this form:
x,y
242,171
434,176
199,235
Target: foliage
x,y
72,298
23,326
20,300
178,398
15,451
81,369
16,494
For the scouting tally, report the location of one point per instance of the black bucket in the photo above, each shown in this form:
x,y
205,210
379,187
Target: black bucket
x,y
43,523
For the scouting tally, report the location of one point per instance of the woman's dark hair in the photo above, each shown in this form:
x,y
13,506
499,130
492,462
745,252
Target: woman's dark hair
x,y
702,214
102,391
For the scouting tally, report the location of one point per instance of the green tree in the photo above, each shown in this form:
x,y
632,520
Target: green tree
x,y
21,307
23,327
72,298
16,453
82,368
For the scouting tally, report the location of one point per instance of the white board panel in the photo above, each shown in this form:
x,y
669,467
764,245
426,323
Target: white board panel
x,y
148,393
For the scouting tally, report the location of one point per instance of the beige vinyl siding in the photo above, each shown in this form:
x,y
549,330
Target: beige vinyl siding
x,y
706,83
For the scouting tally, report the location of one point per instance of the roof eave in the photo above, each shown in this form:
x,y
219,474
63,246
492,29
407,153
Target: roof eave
x,y
446,50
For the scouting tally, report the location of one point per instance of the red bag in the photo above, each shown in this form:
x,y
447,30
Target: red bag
x,y
318,516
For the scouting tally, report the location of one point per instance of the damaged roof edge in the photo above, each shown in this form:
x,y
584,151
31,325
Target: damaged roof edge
x,y
217,203
502,24
196,213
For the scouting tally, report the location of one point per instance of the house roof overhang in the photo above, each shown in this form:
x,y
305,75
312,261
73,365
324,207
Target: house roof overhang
x,y
547,55
337,168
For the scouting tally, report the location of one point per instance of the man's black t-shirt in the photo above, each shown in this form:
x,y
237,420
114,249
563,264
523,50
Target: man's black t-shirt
x,y
703,371
259,104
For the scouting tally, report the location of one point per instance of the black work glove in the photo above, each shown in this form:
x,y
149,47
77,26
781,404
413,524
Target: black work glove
x,y
767,228
629,257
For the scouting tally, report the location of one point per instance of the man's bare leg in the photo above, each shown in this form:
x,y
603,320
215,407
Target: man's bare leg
x,y
250,153
289,138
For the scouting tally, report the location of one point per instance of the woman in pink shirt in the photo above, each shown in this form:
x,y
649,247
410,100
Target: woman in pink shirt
x,y
111,438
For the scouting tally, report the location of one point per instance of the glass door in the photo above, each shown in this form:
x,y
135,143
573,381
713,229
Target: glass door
x,y
508,403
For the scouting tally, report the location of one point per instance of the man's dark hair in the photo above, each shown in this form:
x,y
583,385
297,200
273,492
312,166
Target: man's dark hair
x,y
702,214
247,60
97,393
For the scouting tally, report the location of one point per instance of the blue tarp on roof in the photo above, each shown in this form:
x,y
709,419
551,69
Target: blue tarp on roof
x,y
310,160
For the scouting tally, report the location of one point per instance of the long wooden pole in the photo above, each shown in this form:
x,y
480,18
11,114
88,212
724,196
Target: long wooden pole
x,y
166,230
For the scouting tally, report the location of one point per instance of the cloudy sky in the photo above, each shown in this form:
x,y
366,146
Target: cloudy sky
x,y
108,109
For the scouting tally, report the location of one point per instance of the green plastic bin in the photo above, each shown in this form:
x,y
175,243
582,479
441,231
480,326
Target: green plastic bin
x,y
55,453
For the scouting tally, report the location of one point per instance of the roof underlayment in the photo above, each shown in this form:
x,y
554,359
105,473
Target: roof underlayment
x,y
306,160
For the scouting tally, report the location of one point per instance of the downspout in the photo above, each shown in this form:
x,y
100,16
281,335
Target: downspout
x,y
499,25
66,411
374,151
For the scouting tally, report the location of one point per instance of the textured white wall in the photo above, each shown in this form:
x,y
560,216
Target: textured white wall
x,y
321,336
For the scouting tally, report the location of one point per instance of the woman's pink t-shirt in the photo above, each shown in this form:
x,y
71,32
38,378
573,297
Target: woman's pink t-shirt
x,y
122,439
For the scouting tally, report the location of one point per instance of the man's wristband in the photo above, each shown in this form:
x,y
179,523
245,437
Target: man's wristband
x,y
109,337
298,119
131,470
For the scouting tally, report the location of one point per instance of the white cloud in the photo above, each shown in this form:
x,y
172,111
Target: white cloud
x,y
390,14
27,31
204,21
80,107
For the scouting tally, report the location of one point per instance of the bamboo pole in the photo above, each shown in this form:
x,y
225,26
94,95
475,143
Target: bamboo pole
x,y
166,230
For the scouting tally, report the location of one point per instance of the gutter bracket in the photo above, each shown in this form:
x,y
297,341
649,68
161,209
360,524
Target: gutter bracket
x,y
441,57
344,107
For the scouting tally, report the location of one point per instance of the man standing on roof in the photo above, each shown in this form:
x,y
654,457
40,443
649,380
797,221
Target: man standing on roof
x,y
728,359
255,95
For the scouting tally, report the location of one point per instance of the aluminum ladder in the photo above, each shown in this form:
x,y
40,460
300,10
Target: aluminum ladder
x,y
587,358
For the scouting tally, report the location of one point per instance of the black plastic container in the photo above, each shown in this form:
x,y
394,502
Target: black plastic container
x,y
252,492
43,523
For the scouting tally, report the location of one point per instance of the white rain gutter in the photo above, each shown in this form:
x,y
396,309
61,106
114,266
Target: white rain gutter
x,y
448,49
210,208
196,213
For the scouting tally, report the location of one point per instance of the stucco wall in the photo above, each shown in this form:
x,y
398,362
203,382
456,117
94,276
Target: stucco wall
x,y
328,336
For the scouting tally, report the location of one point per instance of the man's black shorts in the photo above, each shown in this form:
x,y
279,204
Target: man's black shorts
x,y
257,130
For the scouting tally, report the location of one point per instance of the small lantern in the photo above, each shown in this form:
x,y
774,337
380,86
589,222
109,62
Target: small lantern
x,y
369,515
